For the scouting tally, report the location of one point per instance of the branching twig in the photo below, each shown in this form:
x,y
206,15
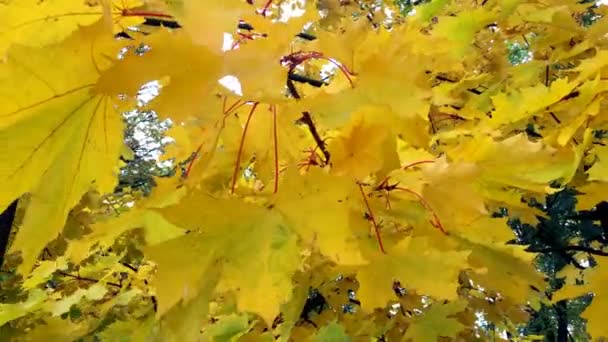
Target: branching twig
x,y
307,120
372,219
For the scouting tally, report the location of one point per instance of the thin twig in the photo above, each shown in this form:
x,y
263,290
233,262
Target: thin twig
x,y
404,167
372,218
129,266
242,143
437,223
90,280
276,149
307,120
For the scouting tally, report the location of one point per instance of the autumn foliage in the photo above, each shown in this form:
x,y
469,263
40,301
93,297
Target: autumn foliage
x,y
363,153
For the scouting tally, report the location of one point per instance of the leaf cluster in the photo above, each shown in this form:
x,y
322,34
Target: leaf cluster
x,y
336,167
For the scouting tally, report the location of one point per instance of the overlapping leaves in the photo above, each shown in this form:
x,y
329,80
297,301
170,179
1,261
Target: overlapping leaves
x,y
390,172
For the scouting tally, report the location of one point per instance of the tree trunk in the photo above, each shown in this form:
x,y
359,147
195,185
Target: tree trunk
x,y
562,321
6,223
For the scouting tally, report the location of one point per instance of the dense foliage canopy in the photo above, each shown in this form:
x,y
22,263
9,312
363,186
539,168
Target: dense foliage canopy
x,y
330,170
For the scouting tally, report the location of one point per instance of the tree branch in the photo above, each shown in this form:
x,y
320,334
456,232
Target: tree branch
x,y
90,280
304,79
6,223
569,248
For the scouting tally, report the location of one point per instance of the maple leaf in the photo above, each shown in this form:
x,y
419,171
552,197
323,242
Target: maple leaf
x,y
416,265
599,170
103,235
507,269
517,161
39,23
256,260
331,332
228,328
196,16
460,30
44,271
318,210
519,105
184,68
452,193
590,195
71,130
387,143
10,312
58,328
183,321
367,146
594,313
63,305
436,322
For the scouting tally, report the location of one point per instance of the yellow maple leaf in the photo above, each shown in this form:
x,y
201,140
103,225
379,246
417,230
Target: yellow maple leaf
x,y
590,194
595,281
417,266
435,322
591,66
104,233
187,70
183,321
316,206
522,103
460,30
517,161
367,145
59,136
44,271
196,17
9,312
453,193
599,170
63,305
39,23
257,258
57,328
507,269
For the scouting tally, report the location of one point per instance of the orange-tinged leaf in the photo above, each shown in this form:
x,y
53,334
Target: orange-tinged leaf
x,y
453,193
367,145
